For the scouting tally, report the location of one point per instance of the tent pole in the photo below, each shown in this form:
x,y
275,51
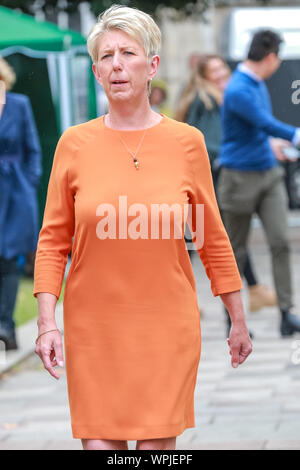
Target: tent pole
x,y
65,91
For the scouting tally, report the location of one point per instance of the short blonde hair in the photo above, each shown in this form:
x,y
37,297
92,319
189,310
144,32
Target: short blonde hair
x,y
132,21
7,75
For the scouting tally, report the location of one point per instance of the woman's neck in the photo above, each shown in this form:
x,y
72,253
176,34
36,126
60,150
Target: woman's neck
x,y
131,117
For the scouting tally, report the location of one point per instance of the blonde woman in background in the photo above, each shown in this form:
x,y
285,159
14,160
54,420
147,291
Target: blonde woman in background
x,y
201,99
199,106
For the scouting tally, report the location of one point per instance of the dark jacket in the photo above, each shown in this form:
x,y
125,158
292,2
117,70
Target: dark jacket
x,y
208,121
20,171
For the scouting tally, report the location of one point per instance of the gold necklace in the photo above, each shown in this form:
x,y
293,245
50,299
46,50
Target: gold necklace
x,y
135,161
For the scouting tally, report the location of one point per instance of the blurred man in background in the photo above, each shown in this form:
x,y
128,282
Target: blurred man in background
x,y
251,180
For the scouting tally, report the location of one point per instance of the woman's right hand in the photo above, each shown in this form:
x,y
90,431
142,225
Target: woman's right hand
x,y
49,348
239,343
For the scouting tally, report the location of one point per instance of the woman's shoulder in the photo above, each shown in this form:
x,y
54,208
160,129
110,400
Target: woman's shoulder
x,y
80,133
17,98
183,130
190,139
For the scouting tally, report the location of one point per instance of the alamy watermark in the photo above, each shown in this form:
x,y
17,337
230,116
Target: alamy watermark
x,y
159,221
296,93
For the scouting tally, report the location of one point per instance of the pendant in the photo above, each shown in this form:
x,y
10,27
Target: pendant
x,y
136,163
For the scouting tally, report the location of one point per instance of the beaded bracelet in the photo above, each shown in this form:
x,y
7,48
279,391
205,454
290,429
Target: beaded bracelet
x,y
56,329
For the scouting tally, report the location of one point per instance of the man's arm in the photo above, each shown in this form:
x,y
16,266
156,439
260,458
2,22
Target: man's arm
x,y
244,103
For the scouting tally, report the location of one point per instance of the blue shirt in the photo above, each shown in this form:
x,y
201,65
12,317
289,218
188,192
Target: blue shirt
x,y
247,124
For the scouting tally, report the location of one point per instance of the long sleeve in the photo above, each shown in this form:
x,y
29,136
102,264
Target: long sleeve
x,y
244,104
32,149
211,241
55,238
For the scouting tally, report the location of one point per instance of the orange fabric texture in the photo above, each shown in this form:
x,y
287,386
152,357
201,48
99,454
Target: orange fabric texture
x,y
131,320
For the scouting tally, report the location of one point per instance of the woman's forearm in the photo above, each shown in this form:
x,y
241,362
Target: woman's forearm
x,y
233,303
46,310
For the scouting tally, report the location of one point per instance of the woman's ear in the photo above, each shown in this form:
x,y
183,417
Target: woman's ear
x,y
96,73
154,66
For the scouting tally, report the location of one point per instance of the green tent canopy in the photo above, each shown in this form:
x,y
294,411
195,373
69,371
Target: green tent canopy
x,y
19,29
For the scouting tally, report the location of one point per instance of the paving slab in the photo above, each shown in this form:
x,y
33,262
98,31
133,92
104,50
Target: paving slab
x,y
285,444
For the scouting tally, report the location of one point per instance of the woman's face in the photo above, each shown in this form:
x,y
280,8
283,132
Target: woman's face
x,y
157,96
217,73
122,68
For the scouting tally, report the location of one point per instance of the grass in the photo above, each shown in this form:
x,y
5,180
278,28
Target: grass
x,y
26,304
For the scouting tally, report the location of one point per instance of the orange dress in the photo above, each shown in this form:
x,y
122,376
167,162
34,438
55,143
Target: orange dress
x,y
131,320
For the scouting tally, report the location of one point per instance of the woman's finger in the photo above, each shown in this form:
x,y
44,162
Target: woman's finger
x,y
58,348
235,359
46,356
245,351
53,359
48,366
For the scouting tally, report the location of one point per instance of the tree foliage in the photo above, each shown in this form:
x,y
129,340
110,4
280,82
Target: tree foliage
x,y
97,6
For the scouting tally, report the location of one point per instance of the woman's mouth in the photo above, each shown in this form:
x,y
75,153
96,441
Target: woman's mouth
x,y
119,83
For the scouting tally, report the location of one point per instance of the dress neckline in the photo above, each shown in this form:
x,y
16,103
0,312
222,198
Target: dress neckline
x,y
131,131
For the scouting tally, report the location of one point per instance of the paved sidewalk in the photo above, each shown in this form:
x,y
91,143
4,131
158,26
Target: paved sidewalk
x,y
256,406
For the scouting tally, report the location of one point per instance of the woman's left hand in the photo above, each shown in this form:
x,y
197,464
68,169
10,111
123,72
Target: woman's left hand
x,y
239,343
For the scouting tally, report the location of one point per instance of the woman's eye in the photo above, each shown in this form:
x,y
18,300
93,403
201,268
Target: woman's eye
x,y
108,55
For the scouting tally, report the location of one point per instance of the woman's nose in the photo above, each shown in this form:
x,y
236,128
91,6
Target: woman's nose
x,y
117,64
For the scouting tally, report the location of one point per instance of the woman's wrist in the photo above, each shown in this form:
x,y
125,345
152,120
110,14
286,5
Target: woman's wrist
x,y
45,332
239,322
46,309
233,303
46,323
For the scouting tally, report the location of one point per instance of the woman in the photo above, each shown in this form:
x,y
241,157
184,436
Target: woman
x,y
200,107
201,99
130,304
20,170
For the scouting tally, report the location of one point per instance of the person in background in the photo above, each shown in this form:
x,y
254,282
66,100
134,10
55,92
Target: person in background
x,y
158,97
251,180
201,100
200,107
20,171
